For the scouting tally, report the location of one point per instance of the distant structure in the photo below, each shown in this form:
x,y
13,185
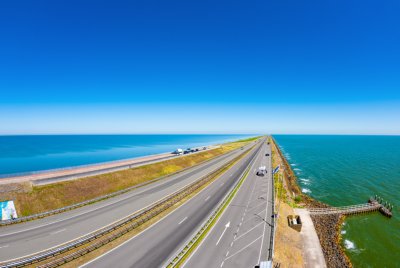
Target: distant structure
x,y
374,203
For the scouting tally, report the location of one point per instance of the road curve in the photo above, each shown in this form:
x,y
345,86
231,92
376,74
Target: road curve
x,y
157,244
31,237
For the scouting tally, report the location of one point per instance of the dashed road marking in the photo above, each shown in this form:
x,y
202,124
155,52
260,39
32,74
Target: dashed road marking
x,y
182,221
59,231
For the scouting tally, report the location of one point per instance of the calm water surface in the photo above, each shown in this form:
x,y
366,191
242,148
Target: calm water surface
x,y
27,154
346,170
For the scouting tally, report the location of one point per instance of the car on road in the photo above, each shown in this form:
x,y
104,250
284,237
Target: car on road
x,y
178,151
267,154
261,171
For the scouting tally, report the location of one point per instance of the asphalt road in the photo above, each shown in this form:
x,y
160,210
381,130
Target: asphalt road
x,y
154,246
241,237
31,237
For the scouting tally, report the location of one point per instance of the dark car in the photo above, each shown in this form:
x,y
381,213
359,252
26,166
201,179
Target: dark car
x,y
266,154
260,173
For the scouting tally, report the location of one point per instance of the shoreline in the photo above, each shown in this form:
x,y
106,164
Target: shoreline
x,y
327,226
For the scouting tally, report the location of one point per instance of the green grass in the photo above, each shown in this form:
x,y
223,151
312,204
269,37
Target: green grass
x,y
250,139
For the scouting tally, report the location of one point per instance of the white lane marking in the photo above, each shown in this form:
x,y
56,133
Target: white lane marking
x,y
227,253
248,231
226,227
222,264
222,183
263,203
208,197
182,220
59,231
5,246
243,248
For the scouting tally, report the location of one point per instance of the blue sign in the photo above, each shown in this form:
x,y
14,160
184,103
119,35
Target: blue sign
x,y
276,169
7,210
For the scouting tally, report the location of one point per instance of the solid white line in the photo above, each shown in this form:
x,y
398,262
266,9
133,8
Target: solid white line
x,y
243,248
5,246
182,220
248,231
221,236
59,231
258,205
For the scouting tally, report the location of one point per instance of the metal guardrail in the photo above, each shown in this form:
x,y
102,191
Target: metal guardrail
x,y
100,198
185,249
121,227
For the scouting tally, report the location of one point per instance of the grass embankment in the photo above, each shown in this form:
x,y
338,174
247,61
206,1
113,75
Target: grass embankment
x,y
57,195
288,244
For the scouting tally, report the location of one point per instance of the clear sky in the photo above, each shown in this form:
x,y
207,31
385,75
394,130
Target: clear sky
x,y
148,66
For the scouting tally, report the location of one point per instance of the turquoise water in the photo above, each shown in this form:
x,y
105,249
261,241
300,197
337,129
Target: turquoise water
x,y
346,170
27,154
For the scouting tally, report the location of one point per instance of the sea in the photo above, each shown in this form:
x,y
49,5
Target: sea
x,y
27,154
347,170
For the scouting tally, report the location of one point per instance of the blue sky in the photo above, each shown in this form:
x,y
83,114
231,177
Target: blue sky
x,y
200,67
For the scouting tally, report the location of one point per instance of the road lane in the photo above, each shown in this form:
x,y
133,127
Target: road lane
x,y
157,244
246,243
31,237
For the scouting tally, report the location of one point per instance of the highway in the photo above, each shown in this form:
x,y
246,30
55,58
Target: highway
x,y
27,238
241,237
156,245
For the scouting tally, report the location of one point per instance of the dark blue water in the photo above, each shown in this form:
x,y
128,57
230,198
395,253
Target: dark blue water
x,y
347,170
26,154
